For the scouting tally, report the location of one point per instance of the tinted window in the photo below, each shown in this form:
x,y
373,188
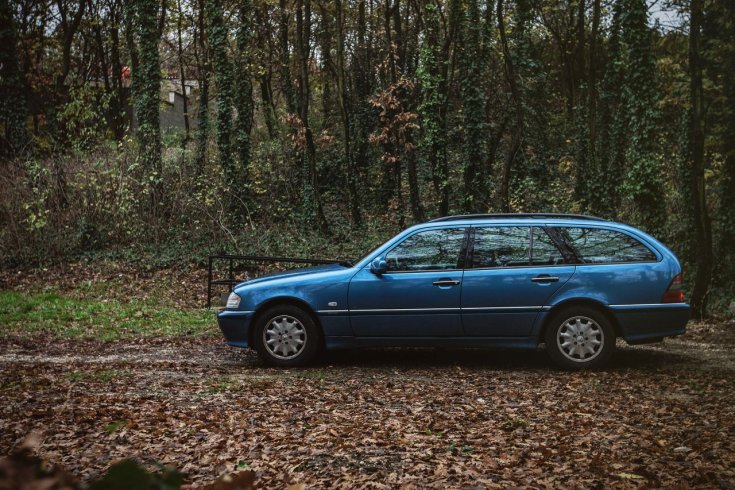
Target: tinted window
x,y
599,246
501,246
427,250
544,251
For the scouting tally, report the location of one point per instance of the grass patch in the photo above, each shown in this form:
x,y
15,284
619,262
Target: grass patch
x,y
115,426
58,316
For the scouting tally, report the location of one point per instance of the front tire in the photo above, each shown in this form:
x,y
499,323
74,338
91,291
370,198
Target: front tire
x,y
286,336
580,338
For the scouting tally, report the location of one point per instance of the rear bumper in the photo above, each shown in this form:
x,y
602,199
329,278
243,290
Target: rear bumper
x,y
645,323
235,326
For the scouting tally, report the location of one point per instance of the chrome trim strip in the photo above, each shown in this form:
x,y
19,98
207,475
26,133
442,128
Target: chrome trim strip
x,y
331,311
474,308
385,310
649,305
493,308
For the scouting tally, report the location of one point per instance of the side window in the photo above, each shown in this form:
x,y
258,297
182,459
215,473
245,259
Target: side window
x,y
544,251
501,246
600,246
427,251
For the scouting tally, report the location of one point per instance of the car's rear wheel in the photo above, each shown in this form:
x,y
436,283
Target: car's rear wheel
x,y
580,338
286,336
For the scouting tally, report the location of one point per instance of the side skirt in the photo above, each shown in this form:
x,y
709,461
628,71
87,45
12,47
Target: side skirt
x,y
456,342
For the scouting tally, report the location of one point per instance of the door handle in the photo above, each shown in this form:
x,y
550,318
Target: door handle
x,y
545,279
446,282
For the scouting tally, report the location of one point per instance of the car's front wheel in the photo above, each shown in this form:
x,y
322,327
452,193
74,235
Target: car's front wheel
x,y
286,336
580,338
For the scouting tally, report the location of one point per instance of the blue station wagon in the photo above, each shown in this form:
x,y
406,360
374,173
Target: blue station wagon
x,y
572,282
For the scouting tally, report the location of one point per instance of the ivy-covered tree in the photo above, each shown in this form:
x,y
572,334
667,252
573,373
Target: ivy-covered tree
x,y
244,90
589,185
643,184
516,99
612,125
432,82
313,212
719,44
474,100
147,93
201,51
13,108
695,165
217,36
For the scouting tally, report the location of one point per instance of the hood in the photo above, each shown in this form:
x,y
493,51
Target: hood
x,y
293,273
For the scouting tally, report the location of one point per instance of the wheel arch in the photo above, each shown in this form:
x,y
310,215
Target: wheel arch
x,y
572,302
280,301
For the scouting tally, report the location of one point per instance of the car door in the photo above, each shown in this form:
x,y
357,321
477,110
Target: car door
x,y
511,273
419,293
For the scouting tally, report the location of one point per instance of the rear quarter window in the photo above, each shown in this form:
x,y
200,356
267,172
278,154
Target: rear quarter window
x,y
602,246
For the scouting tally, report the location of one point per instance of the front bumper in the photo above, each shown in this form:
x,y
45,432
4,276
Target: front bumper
x,y
235,326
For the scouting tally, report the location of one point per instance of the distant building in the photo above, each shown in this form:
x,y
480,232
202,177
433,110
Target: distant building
x,y
172,103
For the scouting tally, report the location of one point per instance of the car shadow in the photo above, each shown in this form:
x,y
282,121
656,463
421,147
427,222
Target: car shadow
x,y
648,357
408,358
625,358
644,358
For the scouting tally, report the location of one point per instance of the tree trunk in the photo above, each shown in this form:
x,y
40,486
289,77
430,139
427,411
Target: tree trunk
x,y
119,106
345,114
244,92
517,136
433,104
312,201
182,74
472,90
286,82
13,108
148,95
263,12
700,219
217,35
201,51
361,110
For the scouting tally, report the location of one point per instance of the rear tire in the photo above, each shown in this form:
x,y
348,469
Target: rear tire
x,y
580,337
286,336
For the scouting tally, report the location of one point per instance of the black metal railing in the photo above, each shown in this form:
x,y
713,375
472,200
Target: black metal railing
x,y
235,263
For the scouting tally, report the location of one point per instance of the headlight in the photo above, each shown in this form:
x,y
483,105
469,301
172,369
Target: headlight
x,y
233,301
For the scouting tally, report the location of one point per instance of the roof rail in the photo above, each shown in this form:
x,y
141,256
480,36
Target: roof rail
x,y
517,215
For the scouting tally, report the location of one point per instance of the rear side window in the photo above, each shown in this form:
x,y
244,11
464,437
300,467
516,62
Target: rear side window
x,y
501,246
544,251
600,246
427,251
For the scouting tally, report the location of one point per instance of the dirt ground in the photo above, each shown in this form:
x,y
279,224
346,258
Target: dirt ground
x,y
662,415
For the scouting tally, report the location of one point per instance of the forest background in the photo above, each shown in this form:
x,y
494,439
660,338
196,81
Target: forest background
x,y
321,128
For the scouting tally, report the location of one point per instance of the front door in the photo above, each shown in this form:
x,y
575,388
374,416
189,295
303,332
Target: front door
x,y
419,294
511,274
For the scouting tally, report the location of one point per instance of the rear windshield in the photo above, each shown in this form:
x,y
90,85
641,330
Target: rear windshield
x,y
601,246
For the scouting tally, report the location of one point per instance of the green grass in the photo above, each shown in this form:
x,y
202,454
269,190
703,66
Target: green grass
x,y
55,315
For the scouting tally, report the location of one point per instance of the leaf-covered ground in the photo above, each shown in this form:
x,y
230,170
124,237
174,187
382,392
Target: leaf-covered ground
x,y
661,416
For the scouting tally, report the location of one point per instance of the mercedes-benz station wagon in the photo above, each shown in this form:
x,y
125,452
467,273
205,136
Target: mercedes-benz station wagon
x,y
572,282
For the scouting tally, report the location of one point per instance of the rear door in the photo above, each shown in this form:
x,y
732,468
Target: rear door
x,y
511,273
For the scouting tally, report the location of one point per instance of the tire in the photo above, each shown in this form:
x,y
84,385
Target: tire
x,y
580,337
286,336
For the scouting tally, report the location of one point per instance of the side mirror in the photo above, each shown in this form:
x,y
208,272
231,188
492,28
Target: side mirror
x,y
378,266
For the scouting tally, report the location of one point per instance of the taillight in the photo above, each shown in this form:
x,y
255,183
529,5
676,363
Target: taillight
x,y
674,294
